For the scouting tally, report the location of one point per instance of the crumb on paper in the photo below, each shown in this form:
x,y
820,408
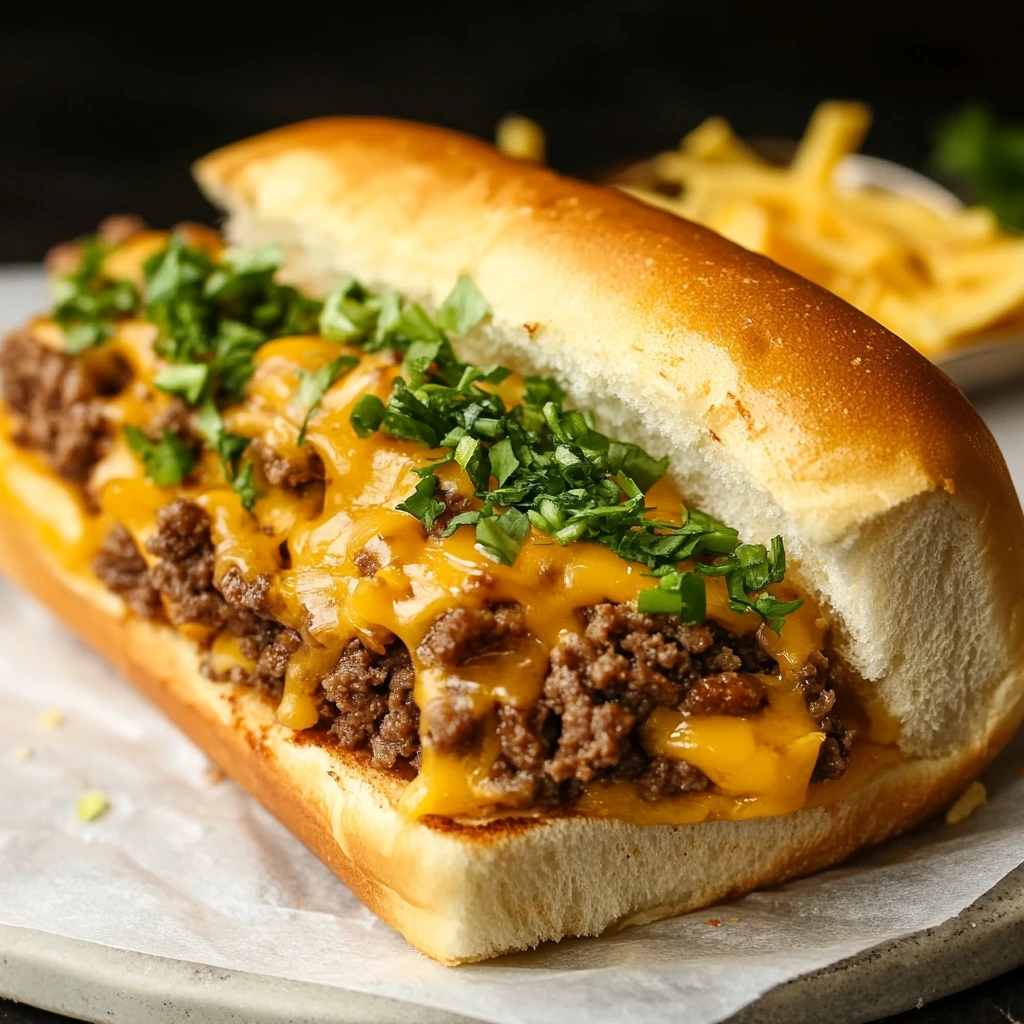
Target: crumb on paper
x,y
23,753
92,805
50,718
214,775
734,919
714,922
973,797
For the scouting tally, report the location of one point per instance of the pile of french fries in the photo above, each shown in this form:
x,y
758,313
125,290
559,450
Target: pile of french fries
x,y
939,278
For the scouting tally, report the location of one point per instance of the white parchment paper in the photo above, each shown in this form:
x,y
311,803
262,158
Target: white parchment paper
x,y
186,868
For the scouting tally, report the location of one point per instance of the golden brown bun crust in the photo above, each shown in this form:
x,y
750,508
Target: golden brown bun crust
x,y
462,893
815,372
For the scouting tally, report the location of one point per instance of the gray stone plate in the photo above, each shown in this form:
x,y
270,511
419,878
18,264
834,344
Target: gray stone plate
x,y
97,983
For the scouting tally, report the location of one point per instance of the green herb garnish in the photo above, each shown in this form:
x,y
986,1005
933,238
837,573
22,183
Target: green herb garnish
x,y
988,158
313,385
168,461
229,448
538,463
532,464
678,593
188,381
86,302
463,309
212,318
422,504
367,415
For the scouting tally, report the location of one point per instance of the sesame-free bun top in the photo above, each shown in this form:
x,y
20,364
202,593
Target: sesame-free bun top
x,y
784,409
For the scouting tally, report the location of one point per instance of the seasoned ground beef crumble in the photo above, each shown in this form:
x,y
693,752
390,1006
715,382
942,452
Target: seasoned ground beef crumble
x,y
56,398
601,684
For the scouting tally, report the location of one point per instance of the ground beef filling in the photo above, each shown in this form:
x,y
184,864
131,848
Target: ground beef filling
x,y
601,685
834,757
122,569
369,697
57,399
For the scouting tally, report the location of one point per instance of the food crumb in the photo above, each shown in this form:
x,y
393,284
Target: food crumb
x,y
50,718
92,805
973,797
214,775
733,918
714,922
23,753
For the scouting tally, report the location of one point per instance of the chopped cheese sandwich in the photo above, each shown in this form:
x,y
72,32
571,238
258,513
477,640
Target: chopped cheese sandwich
x,y
519,546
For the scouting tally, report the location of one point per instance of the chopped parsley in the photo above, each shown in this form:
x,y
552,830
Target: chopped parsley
x,y
229,448
533,463
538,463
463,309
212,317
314,384
167,461
86,302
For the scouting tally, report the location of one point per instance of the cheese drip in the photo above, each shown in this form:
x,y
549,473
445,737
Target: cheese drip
x,y
760,764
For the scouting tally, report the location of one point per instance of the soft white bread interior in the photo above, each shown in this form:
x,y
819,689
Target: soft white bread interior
x,y
784,411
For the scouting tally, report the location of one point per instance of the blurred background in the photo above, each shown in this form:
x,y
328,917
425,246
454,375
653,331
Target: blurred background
x,y
103,111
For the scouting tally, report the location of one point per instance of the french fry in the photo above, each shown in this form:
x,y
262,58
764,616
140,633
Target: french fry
x,y
934,277
746,224
522,138
714,139
835,130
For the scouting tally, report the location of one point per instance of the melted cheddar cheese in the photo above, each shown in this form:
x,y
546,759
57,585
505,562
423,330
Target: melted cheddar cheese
x,y
307,543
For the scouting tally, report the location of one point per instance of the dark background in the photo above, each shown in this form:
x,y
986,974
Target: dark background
x,y
102,108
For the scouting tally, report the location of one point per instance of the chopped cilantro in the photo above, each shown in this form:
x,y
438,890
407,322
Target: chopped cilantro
x,y
186,380
532,465
348,313
86,302
167,461
367,415
464,308
244,487
678,593
501,537
314,384
212,317
539,463
229,448
422,504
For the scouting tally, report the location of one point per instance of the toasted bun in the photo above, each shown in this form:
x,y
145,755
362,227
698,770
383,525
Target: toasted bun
x,y
784,411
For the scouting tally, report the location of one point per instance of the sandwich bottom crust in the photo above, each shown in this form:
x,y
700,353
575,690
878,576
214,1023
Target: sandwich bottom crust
x,y
465,892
